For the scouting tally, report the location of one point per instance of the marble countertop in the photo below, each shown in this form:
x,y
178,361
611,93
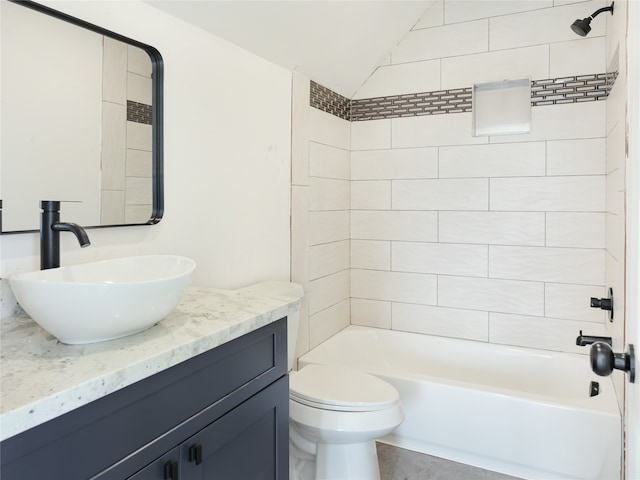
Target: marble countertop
x,y
41,378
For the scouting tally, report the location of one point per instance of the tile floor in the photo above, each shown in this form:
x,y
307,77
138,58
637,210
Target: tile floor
x,y
400,464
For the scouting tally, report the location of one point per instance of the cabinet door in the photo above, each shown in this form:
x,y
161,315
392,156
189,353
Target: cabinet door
x,y
167,467
251,442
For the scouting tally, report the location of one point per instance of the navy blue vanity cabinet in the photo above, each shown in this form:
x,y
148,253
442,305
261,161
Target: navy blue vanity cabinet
x,y
241,445
220,415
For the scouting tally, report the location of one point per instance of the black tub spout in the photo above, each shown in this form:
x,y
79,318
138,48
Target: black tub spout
x,y
583,340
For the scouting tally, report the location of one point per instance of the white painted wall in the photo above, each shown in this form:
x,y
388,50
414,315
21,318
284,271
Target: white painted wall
x,y
227,157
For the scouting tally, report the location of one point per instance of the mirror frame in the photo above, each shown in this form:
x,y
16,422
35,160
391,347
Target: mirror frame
x,y
157,116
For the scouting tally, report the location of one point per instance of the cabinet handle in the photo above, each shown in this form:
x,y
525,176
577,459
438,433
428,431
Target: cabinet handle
x,y
171,471
195,453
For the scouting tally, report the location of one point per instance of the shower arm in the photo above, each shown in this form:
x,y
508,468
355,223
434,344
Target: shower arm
x,y
600,10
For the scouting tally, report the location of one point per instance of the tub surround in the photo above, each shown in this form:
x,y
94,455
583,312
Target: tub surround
x,y
42,379
412,198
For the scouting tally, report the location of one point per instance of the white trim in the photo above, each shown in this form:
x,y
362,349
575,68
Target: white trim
x,y
632,333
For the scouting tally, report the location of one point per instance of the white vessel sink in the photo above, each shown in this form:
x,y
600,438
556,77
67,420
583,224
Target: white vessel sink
x,y
94,302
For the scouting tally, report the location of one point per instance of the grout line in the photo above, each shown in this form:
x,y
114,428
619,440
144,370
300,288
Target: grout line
x,y
546,158
488,259
391,181
549,59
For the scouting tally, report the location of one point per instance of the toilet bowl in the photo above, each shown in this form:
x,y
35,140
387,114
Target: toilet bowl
x,y
339,413
335,413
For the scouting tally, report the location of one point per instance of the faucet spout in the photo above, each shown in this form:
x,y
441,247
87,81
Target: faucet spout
x,y
50,228
77,230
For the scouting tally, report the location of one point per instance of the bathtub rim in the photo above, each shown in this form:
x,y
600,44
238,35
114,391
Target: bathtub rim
x,y
604,403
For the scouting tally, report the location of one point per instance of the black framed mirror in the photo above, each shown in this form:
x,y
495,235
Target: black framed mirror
x,y
82,121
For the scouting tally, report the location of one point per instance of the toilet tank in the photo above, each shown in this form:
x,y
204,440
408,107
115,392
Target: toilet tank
x,y
277,288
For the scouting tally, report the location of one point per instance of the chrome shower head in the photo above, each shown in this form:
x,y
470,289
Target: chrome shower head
x,y
583,27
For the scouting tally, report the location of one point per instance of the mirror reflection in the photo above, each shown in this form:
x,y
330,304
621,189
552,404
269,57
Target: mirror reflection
x,y
77,123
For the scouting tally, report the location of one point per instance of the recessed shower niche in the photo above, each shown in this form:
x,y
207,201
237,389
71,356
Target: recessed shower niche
x,y
502,108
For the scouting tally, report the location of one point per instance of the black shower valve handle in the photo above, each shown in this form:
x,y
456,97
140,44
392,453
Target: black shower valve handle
x,y
604,303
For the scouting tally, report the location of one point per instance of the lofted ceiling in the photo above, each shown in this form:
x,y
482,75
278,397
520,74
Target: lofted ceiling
x,y
335,43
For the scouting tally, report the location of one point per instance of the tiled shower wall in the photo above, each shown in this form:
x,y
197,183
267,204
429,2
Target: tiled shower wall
x,y
126,186
321,201
475,238
498,239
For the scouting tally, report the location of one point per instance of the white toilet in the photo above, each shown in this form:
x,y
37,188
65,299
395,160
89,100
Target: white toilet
x,y
335,414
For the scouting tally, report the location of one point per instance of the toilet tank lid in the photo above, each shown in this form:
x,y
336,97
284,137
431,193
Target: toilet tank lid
x,y
274,288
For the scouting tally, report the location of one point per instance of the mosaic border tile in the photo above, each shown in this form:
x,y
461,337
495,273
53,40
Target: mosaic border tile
x,y
139,112
329,101
580,88
550,91
428,103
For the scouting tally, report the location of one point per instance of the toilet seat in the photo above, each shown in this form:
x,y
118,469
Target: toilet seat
x,y
340,389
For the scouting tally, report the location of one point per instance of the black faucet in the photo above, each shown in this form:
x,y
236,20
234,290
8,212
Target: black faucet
x,y
583,340
50,228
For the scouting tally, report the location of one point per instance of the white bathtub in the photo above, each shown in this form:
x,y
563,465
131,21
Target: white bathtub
x,y
518,411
